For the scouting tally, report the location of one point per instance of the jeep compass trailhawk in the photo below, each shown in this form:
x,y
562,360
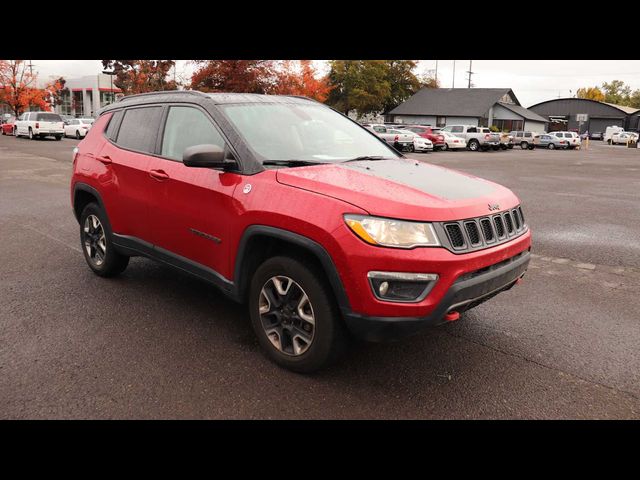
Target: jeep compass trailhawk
x,y
324,230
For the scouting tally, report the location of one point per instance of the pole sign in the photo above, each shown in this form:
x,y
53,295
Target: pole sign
x,y
582,117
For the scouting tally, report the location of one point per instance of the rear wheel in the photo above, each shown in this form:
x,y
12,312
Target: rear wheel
x,y
78,134
58,137
97,245
294,315
445,147
524,145
31,137
473,145
551,146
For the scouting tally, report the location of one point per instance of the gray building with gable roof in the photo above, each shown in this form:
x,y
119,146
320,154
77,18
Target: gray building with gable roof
x,y
467,106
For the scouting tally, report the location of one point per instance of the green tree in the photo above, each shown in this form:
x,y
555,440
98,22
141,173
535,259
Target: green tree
x,y
361,85
616,92
590,93
402,81
634,100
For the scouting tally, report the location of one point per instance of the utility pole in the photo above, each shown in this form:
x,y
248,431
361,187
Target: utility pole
x,y
470,73
31,65
436,72
454,75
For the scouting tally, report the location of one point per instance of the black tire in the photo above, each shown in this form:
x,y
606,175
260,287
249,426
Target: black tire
x,y
113,262
58,137
610,142
524,145
551,146
78,134
31,135
412,148
444,147
329,338
473,145
503,146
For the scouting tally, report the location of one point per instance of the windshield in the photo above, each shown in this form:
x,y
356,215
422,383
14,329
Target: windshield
x,y
312,133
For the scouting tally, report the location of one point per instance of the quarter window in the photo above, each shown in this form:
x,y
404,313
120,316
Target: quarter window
x,y
113,124
139,129
185,128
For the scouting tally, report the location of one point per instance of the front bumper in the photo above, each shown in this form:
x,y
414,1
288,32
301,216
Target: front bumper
x,y
466,292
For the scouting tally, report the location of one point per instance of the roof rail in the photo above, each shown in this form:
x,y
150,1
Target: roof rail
x,y
162,92
303,97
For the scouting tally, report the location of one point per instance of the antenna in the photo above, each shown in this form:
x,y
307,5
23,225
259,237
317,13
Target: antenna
x,y
470,73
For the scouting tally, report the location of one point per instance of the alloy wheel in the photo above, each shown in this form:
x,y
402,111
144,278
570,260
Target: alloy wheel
x,y
287,315
94,240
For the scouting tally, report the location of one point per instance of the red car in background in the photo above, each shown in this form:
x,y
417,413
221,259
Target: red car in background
x,y
7,126
428,132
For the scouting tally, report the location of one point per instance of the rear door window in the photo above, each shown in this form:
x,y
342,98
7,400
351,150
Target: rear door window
x,y
139,129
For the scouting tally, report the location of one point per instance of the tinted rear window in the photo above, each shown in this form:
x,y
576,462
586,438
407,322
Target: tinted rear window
x,y
139,128
48,117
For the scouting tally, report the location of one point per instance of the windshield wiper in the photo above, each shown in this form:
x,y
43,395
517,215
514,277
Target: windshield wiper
x,y
368,157
290,163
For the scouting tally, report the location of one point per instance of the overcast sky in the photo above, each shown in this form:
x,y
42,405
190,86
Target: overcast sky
x,y
533,81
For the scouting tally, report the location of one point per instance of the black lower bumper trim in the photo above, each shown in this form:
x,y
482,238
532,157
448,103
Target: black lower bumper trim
x,y
462,295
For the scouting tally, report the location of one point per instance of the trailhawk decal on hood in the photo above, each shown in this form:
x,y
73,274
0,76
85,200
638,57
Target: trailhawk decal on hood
x,y
439,182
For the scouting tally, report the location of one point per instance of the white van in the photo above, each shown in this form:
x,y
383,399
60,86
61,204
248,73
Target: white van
x,y
608,133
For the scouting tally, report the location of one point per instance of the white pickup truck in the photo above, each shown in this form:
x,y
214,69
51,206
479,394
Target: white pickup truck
x,y
39,124
478,138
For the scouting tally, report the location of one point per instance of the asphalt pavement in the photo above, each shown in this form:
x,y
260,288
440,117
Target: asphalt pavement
x,y
157,343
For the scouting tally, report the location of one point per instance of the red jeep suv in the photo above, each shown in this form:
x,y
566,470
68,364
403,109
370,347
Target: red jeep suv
x,y
325,231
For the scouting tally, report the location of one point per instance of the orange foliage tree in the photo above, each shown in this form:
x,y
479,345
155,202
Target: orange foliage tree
x,y
140,76
300,78
18,88
287,77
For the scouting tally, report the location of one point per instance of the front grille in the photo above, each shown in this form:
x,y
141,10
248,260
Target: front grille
x,y
516,218
499,226
472,231
476,233
509,222
455,235
487,231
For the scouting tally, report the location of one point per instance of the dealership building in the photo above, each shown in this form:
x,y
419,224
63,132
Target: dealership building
x,y
581,114
467,106
87,95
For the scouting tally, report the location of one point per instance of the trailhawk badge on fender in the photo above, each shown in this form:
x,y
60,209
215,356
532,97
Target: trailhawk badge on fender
x,y
493,207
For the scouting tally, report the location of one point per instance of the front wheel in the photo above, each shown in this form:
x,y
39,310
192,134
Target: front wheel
x,y
96,243
524,145
58,137
294,315
551,146
445,147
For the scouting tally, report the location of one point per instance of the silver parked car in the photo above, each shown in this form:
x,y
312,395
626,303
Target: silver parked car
x,y
545,140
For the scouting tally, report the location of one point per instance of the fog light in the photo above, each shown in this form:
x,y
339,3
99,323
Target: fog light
x,y
400,286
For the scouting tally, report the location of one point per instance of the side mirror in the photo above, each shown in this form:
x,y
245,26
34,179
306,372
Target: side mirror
x,y
206,156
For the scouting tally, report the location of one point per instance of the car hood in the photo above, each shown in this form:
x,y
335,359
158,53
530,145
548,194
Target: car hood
x,y
402,188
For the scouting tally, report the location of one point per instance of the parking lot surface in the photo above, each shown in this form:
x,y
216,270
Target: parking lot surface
x,y
157,343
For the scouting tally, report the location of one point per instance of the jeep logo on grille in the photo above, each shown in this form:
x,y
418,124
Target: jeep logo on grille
x,y
493,206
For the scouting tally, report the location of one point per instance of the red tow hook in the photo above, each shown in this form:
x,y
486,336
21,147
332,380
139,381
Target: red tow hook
x,y
452,316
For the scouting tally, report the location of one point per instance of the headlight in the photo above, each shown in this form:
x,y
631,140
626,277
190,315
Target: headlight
x,y
387,232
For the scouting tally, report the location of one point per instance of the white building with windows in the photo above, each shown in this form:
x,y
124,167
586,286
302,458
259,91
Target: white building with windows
x,y
87,95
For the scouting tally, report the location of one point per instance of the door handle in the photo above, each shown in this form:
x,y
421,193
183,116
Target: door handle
x,y
159,175
106,159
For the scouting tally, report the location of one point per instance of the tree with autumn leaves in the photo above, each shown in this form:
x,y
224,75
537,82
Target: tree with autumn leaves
x,y
286,77
19,92
140,76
